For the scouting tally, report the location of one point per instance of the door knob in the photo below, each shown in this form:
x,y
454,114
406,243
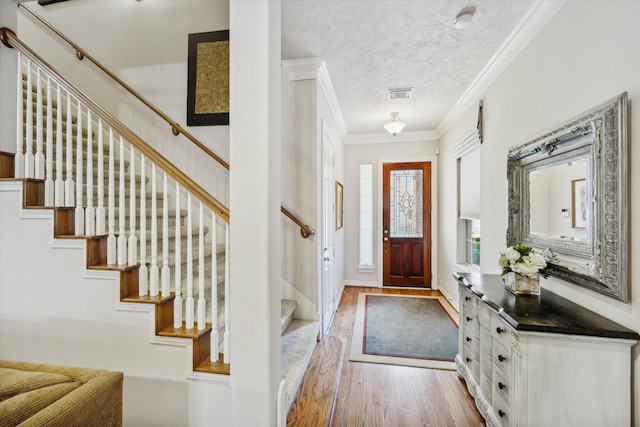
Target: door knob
x,y
386,239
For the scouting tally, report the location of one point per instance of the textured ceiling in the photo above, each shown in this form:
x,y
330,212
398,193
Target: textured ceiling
x,y
374,45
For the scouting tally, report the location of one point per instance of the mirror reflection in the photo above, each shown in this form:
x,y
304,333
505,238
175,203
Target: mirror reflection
x,y
559,200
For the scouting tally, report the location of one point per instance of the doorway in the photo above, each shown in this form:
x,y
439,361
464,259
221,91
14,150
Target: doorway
x,y
328,282
406,221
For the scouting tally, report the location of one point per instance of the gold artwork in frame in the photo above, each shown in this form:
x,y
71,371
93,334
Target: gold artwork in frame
x,y
208,79
339,206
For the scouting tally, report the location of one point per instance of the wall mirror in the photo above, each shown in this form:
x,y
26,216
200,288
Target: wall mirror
x,y
568,198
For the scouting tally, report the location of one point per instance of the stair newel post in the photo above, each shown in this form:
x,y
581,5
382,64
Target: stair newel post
x,y
49,194
215,353
153,271
177,302
68,182
227,300
59,182
28,155
39,158
100,213
19,159
122,222
133,239
143,272
190,303
90,212
166,272
202,303
111,239
79,215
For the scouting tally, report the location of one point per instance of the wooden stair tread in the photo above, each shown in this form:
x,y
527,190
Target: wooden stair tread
x,y
218,367
315,401
183,332
147,299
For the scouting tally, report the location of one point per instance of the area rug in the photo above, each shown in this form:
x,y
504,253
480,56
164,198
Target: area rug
x,y
419,331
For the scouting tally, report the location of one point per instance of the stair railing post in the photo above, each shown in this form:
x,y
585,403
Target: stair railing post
x,y
68,182
79,214
202,303
122,223
153,271
49,193
190,321
143,272
89,211
59,182
39,157
133,239
100,211
215,337
177,302
166,272
111,239
28,155
19,159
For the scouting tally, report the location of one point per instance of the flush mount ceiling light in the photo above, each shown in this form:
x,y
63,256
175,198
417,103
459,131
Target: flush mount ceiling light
x,y
396,125
463,20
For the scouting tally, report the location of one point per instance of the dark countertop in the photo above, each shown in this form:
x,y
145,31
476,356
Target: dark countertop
x,y
547,312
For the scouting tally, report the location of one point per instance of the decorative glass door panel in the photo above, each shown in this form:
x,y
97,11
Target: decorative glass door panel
x,y
406,218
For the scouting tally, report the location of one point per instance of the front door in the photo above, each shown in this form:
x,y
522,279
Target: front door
x,y
406,218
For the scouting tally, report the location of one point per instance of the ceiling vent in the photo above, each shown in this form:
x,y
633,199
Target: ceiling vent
x,y
400,93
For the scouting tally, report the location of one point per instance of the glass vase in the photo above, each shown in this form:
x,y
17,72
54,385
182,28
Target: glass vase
x,y
522,285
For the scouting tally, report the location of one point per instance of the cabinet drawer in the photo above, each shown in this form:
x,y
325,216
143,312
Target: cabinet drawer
x,y
500,330
484,315
485,387
501,358
472,361
470,302
502,386
502,411
485,339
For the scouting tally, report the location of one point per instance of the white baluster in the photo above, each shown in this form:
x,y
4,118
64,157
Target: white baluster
x,y
202,303
39,158
19,159
59,182
122,238
177,303
143,272
153,271
68,182
133,239
166,273
215,353
227,302
90,211
29,161
100,213
79,216
49,193
111,239
190,304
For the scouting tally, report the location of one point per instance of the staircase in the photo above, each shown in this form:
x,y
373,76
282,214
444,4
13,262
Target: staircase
x,y
158,230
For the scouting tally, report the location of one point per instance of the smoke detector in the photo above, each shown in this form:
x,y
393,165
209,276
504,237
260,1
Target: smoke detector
x,y
463,20
400,93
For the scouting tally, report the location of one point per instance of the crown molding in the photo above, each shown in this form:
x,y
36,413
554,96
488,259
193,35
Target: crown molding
x,y
324,81
385,137
302,69
529,26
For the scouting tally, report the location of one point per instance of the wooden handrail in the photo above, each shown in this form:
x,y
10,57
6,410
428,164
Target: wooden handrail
x,y
305,230
176,129
10,39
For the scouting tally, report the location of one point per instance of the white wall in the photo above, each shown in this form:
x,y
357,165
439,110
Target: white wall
x,y
355,155
586,54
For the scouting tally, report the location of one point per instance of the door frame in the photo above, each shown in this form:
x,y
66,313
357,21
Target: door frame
x,y
434,215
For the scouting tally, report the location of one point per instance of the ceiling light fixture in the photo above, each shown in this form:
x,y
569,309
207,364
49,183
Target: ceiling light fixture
x,y
396,125
463,20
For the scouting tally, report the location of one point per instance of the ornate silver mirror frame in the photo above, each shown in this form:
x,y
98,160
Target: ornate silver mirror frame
x,y
598,136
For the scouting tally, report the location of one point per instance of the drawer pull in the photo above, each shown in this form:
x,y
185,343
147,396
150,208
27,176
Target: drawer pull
x,y
501,413
468,319
501,358
468,360
468,339
499,330
467,298
501,386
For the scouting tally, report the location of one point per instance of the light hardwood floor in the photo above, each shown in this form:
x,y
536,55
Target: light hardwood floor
x,y
375,395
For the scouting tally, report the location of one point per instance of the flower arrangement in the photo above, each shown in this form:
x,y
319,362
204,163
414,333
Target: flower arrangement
x,y
522,259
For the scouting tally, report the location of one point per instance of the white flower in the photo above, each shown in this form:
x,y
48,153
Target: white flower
x,y
512,255
536,259
525,267
503,261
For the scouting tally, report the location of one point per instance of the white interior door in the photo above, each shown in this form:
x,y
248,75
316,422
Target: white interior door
x,y
328,234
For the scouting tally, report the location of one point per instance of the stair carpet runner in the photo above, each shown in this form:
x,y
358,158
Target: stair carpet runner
x,y
299,337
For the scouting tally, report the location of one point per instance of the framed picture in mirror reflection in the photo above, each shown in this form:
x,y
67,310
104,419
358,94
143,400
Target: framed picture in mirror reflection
x,y
579,212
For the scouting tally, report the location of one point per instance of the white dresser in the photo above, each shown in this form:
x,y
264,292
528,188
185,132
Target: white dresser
x,y
541,361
